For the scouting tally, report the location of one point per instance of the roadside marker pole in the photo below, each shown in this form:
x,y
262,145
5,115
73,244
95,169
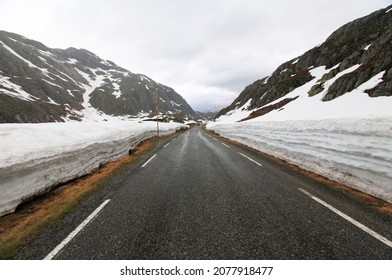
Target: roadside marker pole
x,y
156,105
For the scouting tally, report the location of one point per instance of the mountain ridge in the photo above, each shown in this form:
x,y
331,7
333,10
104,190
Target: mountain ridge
x,y
40,84
366,42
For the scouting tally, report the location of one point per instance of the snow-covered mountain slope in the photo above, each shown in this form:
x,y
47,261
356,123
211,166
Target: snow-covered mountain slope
x,y
40,84
349,75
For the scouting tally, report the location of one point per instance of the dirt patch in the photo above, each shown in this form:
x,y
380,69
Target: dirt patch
x,y
377,203
19,228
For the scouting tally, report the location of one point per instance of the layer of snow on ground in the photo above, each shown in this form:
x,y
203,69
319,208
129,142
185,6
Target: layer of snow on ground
x,y
353,151
36,157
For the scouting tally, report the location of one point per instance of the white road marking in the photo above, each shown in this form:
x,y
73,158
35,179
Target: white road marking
x,y
59,247
225,145
148,160
166,145
349,219
252,160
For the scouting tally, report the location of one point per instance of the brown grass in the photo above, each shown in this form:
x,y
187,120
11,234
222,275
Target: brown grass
x,y
19,228
377,203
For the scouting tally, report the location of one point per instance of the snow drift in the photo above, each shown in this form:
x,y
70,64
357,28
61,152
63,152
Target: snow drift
x,y
352,151
36,157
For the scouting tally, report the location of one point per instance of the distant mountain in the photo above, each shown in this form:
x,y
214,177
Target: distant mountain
x,y
40,84
207,115
357,54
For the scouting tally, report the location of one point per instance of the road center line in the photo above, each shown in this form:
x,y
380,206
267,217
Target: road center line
x,y
148,160
59,247
252,160
225,145
349,219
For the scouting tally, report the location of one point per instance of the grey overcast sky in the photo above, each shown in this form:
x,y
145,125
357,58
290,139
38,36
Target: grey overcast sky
x,y
207,50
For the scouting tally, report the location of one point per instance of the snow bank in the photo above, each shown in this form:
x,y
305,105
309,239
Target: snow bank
x,y
36,157
353,151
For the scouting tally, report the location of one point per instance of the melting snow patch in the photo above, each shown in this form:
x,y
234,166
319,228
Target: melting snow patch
x,y
367,47
43,59
53,84
175,104
46,53
117,93
284,70
51,101
295,61
14,90
143,77
29,63
72,61
12,39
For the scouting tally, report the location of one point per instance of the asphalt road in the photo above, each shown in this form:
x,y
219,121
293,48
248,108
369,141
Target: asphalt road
x,y
198,197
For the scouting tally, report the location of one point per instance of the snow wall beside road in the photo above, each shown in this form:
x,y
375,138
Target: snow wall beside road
x,y
355,152
37,157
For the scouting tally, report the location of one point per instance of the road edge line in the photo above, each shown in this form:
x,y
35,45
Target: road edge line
x,y
151,158
251,159
349,219
59,247
227,146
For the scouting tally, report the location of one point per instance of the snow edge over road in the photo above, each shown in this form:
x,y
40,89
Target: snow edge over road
x,y
352,151
37,157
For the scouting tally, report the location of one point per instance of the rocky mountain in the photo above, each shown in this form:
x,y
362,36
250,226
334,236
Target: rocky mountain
x,y
40,84
207,115
352,56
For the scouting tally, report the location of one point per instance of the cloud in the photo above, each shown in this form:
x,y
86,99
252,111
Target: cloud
x,y
207,50
206,98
